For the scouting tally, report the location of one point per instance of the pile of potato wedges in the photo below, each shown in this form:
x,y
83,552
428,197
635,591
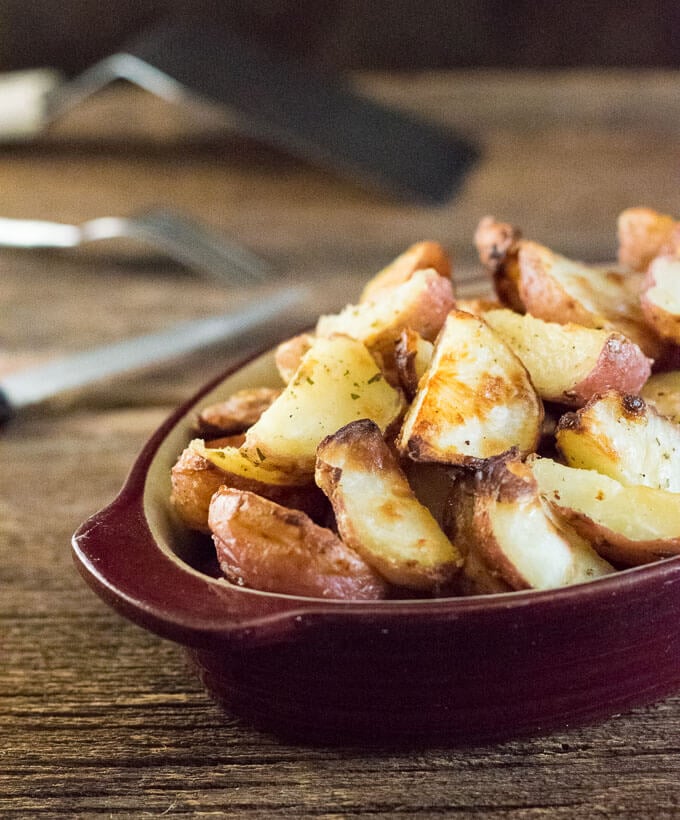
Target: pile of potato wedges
x,y
422,446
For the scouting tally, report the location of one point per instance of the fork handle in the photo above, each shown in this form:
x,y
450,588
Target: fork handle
x,y
23,102
36,233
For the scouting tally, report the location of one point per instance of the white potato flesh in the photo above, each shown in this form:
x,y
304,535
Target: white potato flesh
x,y
586,562
377,512
504,525
661,297
538,551
631,525
475,401
621,437
337,382
232,460
568,363
662,391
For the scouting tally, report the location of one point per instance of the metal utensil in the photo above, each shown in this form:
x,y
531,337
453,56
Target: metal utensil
x,y
34,384
288,105
177,236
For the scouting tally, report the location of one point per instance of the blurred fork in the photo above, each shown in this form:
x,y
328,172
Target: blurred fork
x,y
177,236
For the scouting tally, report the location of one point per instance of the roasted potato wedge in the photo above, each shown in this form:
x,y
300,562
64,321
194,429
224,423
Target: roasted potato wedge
x,y
620,436
558,289
196,476
420,303
643,234
475,401
377,512
507,535
660,297
289,354
569,363
232,460
237,413
662,391
420,256
626,525
595,297
478,306
498,246
194,480
337,382
412,357
265,546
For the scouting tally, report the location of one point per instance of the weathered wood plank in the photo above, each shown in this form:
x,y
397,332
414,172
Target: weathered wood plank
x,y
99,718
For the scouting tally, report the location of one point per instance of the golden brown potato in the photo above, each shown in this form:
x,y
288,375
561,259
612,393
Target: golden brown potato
x,y
626,525
660,297
420,256
618,435
421,303
498,244
643,234
412,357
662,391
289,354
194,481
476,400
508,537
558,289
478,306
232,460
337,382
265,546
378,514
237,413
195,478
569,363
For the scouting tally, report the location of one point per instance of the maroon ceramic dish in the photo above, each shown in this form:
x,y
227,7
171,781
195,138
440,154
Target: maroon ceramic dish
x,y
454,670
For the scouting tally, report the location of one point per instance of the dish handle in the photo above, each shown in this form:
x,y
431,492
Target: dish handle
x,y
117,555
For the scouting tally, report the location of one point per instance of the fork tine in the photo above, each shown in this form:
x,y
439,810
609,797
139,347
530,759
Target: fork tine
x,y
196,246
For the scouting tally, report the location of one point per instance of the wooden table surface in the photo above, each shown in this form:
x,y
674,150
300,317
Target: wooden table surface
x,y
97,716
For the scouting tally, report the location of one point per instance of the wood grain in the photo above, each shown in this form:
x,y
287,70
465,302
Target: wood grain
x,y
99,718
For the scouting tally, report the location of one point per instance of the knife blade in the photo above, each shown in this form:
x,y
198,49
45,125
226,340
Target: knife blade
x,y
35,384
315,117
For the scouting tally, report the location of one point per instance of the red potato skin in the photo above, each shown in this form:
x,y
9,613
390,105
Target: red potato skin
x,y
644,233
544,298
497,244
236,414
289,354
194,481
614,546
621,366
425,316
264,546
420,256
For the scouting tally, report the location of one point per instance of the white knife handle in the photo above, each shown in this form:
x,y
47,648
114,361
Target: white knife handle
x,y
23,102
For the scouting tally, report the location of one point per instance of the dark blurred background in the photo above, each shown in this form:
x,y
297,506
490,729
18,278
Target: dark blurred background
x,y
351,34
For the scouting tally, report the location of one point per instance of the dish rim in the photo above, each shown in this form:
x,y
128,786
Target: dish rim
x,y
233,613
